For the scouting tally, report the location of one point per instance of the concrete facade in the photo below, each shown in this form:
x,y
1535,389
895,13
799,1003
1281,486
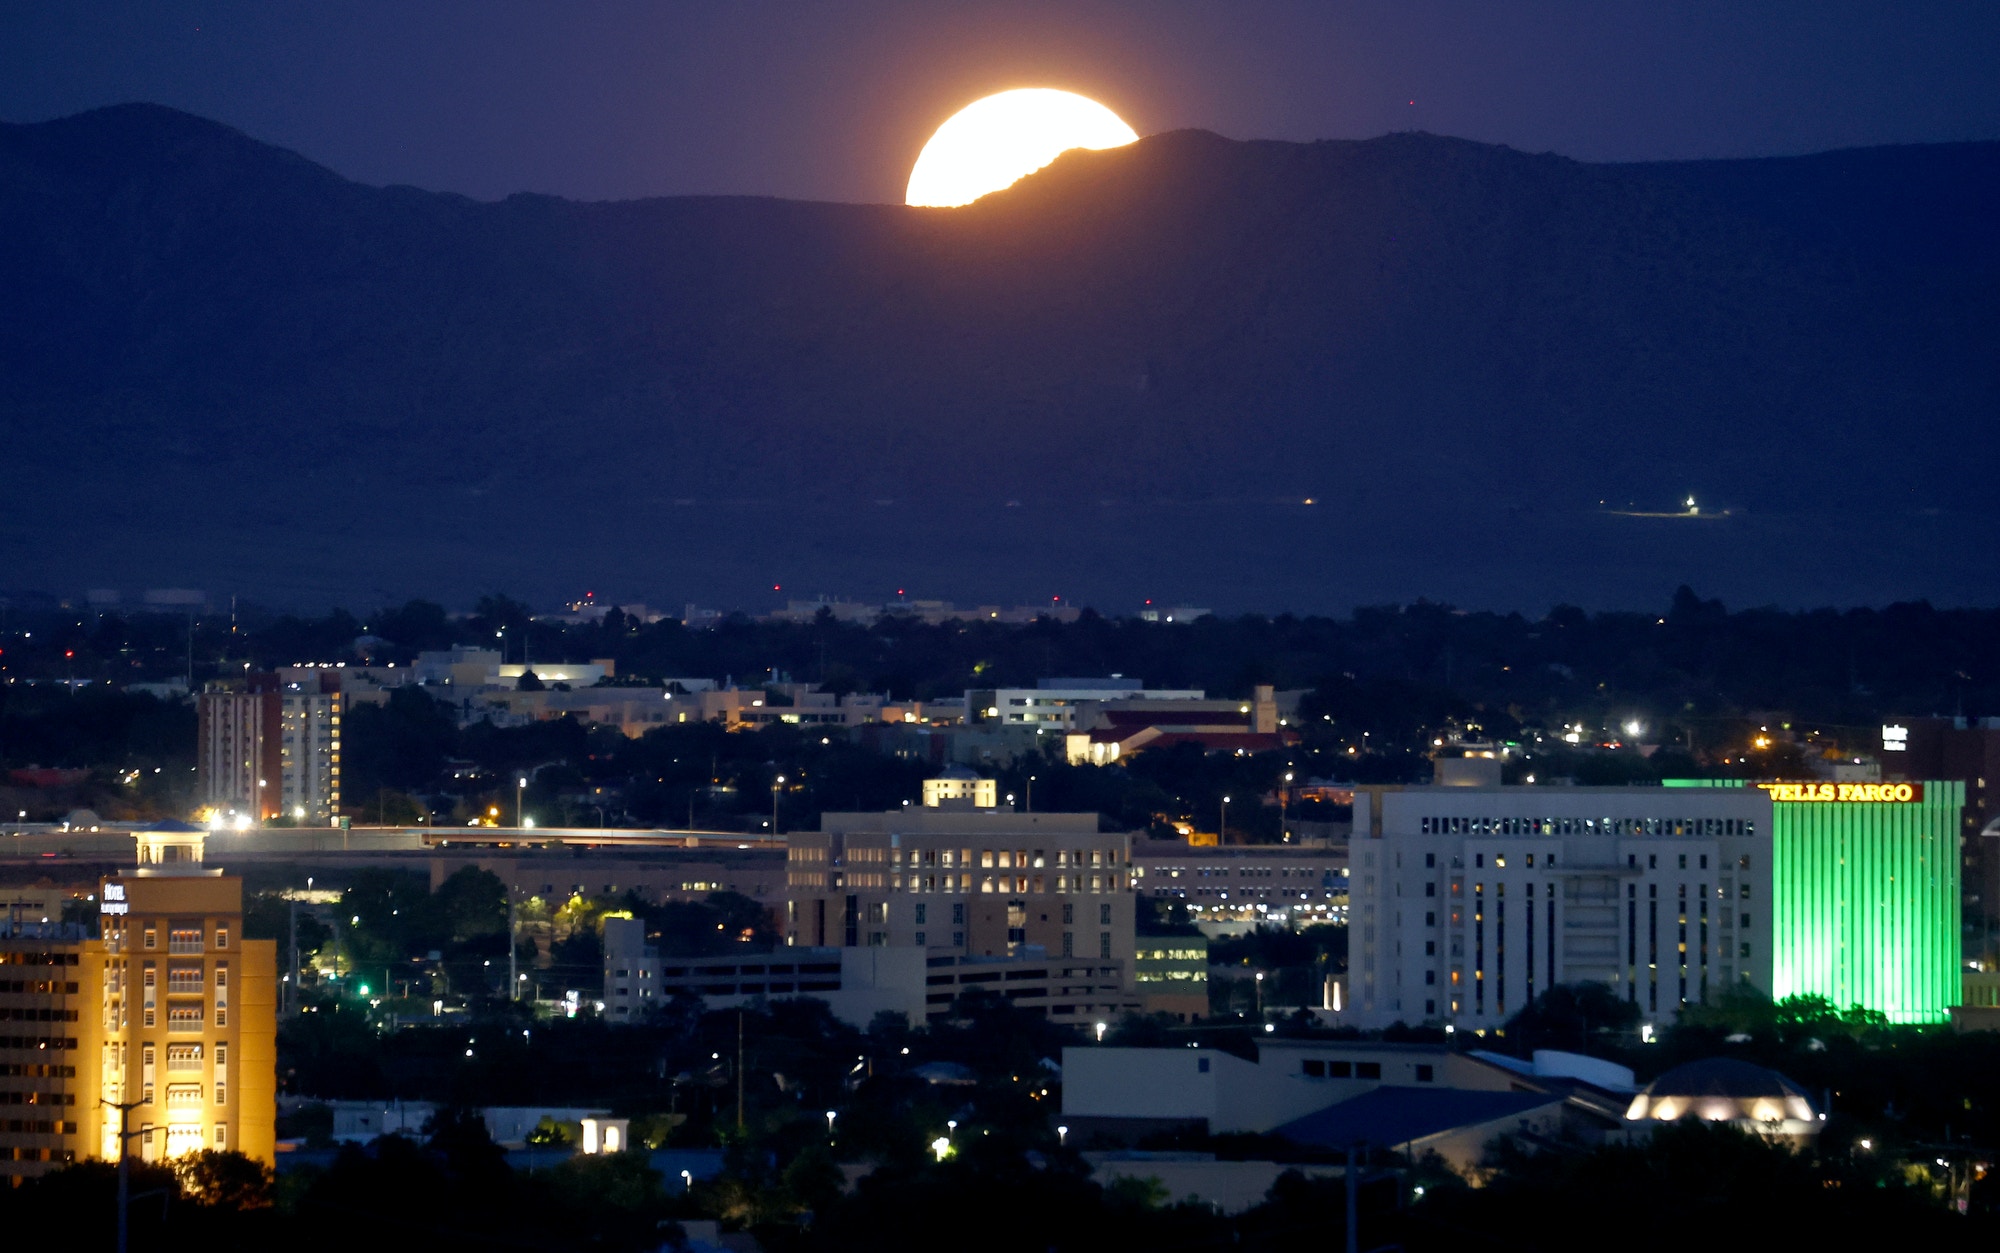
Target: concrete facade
x,y
978,883
1467,902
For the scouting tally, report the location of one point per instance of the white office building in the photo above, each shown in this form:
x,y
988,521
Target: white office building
x,y
1052,706
1469,902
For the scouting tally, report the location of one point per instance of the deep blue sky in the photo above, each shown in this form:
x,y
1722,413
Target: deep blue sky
x,y
832,100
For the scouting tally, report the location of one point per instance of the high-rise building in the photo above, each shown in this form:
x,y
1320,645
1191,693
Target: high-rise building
x,y
269,746
167,1009
1467,902
1865,895
976,882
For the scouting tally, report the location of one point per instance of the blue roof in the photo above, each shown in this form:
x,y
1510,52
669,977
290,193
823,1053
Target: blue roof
x,y
1391,1116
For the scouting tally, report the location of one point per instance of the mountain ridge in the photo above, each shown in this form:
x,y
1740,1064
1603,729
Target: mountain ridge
x,y
1400,324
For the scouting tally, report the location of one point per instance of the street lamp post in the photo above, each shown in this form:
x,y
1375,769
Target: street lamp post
x,y
1260,996
829,1122
1285,807
124,1165
1030,789
1222,826
520,799
776,788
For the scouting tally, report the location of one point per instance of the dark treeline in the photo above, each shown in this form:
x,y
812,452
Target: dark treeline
x,y
1380,687
1824,666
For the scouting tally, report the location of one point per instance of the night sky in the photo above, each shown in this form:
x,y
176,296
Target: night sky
x,y
832,101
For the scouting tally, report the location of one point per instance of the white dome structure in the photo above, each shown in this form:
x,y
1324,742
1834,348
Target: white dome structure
x,y
1723,1089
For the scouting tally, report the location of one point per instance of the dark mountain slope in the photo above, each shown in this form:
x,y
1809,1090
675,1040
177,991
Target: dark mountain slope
x,y
1427,331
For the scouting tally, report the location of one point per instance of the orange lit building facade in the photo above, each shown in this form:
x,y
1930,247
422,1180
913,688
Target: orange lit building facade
x,y
168,1007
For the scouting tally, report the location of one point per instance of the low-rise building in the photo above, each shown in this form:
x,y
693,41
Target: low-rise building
x,y
655,874
1335,1093
1100,732
1170,974
1052,706
856,983
1283,884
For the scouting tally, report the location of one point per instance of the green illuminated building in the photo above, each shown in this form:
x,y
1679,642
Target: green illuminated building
x,y
1865,903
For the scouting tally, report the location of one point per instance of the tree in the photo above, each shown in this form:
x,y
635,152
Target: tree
x,y
471,904
226,1180
1571,1016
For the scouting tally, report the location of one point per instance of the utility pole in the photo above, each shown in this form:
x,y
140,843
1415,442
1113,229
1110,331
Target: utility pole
x,y
124,1166
513,975
1354,1196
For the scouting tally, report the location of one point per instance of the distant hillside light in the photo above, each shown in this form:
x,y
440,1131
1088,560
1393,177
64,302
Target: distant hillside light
x,y
995,142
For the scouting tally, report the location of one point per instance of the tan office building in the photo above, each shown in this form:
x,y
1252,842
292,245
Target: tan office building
x,y
973,882
168,1007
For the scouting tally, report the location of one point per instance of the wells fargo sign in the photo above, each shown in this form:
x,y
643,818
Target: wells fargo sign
x,y
1864,793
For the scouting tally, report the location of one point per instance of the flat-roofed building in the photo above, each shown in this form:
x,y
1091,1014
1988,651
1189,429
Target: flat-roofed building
x,y
167,1009
1170,974
269,746
856,983
1277,883
1864,899
973,882
1052,706
1468,902
655,874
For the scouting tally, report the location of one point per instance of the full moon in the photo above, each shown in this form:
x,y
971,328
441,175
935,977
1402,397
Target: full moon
x,y
996,142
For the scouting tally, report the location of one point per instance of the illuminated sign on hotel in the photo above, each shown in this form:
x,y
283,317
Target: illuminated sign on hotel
x,y
1862,793
1895,739
114,899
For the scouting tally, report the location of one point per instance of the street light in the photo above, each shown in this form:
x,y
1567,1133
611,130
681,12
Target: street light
x,y
1062,1136
1222,827
1030,807
1260,994
775,786
124,1161
829,1122
1100,1033
520,798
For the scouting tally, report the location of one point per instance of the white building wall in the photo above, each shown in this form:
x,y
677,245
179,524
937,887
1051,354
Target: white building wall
x,y
309,755
1468,902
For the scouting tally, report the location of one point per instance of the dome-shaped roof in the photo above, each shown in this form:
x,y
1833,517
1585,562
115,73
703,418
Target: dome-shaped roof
x,y
1724,1077
1723,1089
